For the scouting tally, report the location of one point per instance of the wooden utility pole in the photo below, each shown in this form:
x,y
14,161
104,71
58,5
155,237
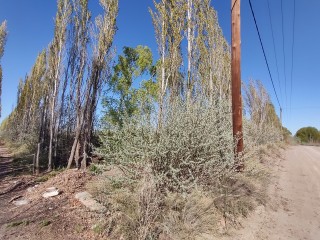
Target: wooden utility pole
x,y
281,128
236,78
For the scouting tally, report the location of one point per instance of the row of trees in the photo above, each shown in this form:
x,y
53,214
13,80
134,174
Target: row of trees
x,y
55,115
172,135
56,102
192,23
3,38
178,122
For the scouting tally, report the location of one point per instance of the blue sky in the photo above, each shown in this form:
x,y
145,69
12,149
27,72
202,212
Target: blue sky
x,y
30,25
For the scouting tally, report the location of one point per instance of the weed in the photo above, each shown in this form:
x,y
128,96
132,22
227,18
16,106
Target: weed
x,y
99,228
79,228
45,223
95,169
47,176
19,223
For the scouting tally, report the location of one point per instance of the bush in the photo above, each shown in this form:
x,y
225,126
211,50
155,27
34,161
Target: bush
x,y
194,146
178,180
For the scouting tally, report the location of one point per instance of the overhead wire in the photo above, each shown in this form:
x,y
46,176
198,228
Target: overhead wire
x,y
234,5
284,57
264,53
274,48
293,41
307,107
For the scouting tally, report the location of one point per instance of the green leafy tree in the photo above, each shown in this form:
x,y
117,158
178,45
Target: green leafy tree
x,y
308,135
126,100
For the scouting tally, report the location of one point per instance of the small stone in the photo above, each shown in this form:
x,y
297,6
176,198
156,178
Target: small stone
x,y
21,202
31,189
51,192
86,199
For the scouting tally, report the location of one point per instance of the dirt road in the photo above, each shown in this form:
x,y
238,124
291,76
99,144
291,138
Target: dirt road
x,y
294,209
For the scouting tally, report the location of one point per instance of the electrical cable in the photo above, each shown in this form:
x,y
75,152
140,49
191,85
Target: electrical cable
x,y
284,57
293,41
234,5
274,48
264,53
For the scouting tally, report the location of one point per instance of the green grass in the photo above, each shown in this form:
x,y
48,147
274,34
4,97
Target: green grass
x,y
18,223
45,223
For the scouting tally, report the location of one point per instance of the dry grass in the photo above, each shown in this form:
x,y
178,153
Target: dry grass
x,y
189,216
139,211
134,206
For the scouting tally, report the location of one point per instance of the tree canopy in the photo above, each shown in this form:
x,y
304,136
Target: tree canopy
x,y
308,135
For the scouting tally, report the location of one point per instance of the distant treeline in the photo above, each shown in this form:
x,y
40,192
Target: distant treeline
x,y
308,135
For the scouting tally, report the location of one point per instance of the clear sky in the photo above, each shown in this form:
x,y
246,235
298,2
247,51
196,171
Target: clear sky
x,y
31,23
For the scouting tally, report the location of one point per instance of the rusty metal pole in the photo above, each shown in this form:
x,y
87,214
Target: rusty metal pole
x,y
236,79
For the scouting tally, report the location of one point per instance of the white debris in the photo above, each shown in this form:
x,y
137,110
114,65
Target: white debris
x,y
51,192
21,202
31,189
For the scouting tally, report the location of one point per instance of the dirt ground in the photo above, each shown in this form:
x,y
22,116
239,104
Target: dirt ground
x,y
60,217
293,211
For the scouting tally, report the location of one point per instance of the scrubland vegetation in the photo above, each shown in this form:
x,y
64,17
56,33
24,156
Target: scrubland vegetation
x,y
169,137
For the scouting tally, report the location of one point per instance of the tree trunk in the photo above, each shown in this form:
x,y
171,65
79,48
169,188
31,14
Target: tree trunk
x,y
189,32
37,158
74,147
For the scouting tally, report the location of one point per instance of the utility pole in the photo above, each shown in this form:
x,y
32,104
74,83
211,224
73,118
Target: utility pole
x,y
281,128
236,79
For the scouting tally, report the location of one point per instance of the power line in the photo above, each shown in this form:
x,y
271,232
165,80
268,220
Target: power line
x,y
274,48
264,53
284,57
234,5
305,107
293,38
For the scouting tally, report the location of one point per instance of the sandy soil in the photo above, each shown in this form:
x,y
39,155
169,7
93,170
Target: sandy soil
x,y
294,208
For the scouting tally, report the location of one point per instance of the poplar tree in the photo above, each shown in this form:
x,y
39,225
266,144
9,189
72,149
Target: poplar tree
x,y
55,65
79,38
176,11
39,100
191,46
168,21
160,22
98,75
264,125
99,70
214,60
3,39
